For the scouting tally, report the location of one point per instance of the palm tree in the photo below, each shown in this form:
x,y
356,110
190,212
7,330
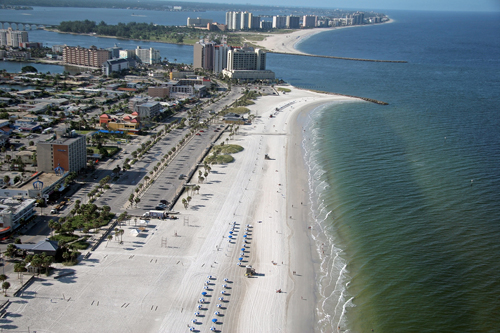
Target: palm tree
x,y
65,255
5,286
109,238
19,268
185,203
47,261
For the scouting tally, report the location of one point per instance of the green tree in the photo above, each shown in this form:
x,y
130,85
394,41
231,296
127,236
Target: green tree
x,y
5,286
29,69
20,268
109,239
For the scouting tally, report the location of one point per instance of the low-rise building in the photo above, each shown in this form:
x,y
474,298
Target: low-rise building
x,y
148,110
129,123
160,92
249,74
114,65
12,211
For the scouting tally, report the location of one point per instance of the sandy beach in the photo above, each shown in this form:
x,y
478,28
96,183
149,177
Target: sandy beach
x,y
286,43
154,282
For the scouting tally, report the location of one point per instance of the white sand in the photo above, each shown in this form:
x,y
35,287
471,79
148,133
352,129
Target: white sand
x,y
286,43
142,286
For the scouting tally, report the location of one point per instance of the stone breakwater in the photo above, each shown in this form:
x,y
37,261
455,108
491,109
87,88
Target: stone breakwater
x,y
341,58
358,97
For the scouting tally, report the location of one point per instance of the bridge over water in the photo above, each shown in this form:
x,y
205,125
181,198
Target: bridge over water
x,y
22,25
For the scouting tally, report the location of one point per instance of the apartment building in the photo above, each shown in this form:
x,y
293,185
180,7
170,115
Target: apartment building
x,y
10,37
148,56
92,57
309,21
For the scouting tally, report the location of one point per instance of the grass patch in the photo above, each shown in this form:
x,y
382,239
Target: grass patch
x,y
229,149
84,132
66,238
82,244
284,90
219,159
237,110
221,154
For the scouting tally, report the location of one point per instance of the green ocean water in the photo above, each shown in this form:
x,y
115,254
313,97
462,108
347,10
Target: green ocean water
x,y
406,195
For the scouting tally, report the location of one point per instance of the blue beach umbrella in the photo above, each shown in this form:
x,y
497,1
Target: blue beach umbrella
x,y
240,258
231,232
230,236
214,320
204,293
245,236
243,249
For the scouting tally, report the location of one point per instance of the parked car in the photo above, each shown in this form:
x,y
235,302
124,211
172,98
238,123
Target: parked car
x,y
160,208
165,202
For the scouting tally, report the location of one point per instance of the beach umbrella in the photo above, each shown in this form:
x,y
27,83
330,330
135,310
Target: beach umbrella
x,y
206,287
244,245
194,321
239,264
214,320
204,293
245,236
243,249
226,279
212,329
219,305
196,314
199,306
209,277
216,313
191,329
246,229
231,232
224,286
223,292
221,298
230,236
240,258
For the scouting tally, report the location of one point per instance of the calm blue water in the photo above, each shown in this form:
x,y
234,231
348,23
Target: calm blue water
x,y
412,242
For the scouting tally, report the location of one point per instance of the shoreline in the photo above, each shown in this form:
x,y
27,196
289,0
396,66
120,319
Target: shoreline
x,y
289,46
157,285
288,43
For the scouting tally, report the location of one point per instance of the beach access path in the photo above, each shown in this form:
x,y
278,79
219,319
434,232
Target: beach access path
x,y
153,282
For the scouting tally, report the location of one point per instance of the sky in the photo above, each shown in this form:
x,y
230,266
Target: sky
x,y
432,5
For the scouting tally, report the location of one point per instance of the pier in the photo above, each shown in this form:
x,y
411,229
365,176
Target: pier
x,y
341,58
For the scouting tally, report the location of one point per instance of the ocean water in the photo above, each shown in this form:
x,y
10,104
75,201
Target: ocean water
x,y
406,196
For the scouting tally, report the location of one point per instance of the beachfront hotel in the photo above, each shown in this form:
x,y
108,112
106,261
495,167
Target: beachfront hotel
x,y
233,62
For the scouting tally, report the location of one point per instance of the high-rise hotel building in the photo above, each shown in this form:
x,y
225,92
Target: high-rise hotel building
x,y
68,152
